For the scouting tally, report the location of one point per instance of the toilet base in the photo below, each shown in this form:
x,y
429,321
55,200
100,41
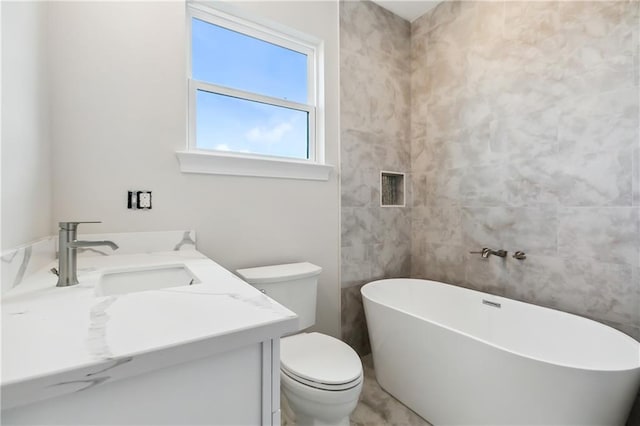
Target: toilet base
x,y
290,418
314,407
302,421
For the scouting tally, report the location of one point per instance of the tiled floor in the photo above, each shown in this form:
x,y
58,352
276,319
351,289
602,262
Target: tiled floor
x,y
376,407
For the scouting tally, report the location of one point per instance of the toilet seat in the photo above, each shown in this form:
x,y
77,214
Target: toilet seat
x,y
319,385
320,361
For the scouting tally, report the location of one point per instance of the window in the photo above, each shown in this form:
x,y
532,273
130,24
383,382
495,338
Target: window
x,y
252,96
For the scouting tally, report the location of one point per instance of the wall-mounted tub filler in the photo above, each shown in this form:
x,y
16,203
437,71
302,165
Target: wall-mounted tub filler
x,y
67,253
486,252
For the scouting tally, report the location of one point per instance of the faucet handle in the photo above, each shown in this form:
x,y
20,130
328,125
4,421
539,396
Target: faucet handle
x,y
72,226
483,251
520,255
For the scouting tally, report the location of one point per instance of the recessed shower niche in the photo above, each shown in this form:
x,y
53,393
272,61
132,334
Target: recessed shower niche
x,y
392,189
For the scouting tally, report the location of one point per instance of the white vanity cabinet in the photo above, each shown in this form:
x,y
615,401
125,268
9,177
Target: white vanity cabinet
x,y
202,354
235,387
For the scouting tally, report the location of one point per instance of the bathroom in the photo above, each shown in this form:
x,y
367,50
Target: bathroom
x,y
511,125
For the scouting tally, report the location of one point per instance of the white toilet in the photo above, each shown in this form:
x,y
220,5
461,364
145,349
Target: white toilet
x,y
320,375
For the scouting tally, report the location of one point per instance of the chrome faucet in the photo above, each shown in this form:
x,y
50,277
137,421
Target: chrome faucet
x,y
67,253
486,252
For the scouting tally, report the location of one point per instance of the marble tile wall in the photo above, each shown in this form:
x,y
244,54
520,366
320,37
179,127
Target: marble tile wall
x,y
524,136
374,131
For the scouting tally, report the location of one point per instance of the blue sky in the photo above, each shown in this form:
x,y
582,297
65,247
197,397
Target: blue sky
x,y
234,60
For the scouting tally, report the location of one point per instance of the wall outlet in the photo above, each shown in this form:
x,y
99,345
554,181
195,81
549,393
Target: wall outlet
x,y
144,199
139,200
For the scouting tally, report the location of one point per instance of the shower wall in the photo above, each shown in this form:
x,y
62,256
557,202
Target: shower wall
x,y
524,136
374,127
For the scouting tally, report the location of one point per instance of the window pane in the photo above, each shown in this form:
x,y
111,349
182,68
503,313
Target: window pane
x,y
227,58
226,123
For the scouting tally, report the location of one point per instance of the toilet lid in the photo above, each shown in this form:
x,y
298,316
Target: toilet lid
x,y
320,359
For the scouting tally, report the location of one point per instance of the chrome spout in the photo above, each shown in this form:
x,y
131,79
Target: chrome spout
x,y
499,253
486,252
82,244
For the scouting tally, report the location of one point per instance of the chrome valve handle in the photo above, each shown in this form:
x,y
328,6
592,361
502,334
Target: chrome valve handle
x,y
520,255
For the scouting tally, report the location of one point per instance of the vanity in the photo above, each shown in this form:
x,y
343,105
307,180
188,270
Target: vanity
x,y
154,333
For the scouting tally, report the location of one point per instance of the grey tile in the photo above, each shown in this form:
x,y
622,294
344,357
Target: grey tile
x,y
609,234
354,325
357,225
525,136
355,264
374,96
445,74
445,263
441,222
601,42
490,21
598,290
534,181
369,29
420,158
572,179
440,122
604,77
419,189
530,22
469,147
355,150
488,275
444,185
358,187
599,178
391,260
600,122
483,185
392,225
636,175
532,230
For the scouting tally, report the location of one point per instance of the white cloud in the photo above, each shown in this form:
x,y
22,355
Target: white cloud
x,y
222,147
270,135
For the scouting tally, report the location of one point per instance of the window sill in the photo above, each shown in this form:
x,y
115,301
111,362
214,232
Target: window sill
x,y
239,165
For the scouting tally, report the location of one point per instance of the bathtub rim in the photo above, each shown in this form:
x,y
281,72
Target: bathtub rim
x,y
636,368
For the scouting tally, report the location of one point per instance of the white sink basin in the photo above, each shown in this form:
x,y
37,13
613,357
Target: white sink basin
x,y
143,279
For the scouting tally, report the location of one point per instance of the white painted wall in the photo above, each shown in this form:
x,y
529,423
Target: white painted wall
x,y
26,147
119,91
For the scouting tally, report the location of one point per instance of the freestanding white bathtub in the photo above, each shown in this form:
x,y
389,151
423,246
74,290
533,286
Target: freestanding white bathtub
x,y
461,357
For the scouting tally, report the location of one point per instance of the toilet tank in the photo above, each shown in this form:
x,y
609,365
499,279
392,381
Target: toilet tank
x,y
293,285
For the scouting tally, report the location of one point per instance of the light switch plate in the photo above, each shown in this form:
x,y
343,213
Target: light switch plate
x,y
139,200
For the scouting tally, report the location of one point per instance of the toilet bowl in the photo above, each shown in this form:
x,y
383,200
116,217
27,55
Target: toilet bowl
x,y
320,376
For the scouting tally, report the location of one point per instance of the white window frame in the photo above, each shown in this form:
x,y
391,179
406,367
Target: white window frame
x,y
200,160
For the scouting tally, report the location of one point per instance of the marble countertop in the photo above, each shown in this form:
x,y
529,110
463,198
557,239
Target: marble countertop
x,y
62,340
